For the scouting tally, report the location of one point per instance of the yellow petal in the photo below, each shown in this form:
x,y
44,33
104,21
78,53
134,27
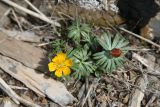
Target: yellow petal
x,y
58,73
61,56
52,66
68,63
66,71
55,59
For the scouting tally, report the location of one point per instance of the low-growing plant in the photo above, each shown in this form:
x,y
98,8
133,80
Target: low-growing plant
x,y
113,54
85,56
58,45
83,65
79,32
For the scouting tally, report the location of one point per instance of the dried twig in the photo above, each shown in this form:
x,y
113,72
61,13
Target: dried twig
x,y
27,103
94,83
5,14
31,12
140,37
81,92
144,61
89,98
16,18
8,90
137,95
17,99
44,44
142,49
18,88
88,93
151,101
33,7
7,102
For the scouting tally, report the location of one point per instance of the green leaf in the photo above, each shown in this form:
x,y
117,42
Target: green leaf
x,y
113,65
102,60
105,64
84,34
109,65
72,33
73,26
84,66
79,31
86,28
122,43
108,40
115,41
99,53
103,44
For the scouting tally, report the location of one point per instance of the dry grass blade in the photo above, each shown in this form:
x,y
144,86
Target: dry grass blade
x,y
31,13
140,37
144,61
38,11
94,84
8,90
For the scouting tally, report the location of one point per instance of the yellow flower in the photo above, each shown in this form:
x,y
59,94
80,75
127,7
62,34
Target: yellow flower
x,y
60,64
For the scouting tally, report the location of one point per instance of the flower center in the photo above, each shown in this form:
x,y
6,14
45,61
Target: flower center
x,y
60,65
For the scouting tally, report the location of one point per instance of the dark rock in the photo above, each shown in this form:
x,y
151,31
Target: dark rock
x,y
137,12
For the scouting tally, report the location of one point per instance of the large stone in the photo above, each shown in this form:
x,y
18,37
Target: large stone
x,y
155,25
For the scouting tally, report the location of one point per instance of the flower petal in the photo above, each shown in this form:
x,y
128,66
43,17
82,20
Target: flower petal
x,y
66,71
52,66
58,73
61,56
55,59
68,63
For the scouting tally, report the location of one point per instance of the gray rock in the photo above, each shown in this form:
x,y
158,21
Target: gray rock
x,y
155,25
